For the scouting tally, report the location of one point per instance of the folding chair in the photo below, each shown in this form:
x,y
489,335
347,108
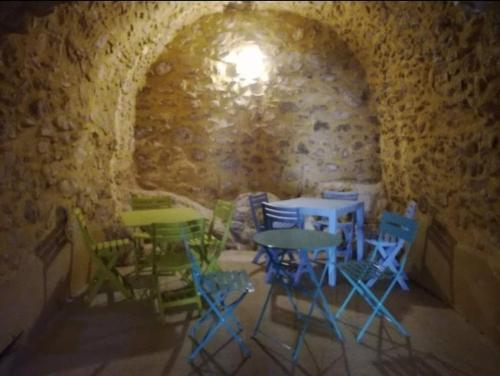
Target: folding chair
x,y
386,244
255,202
142,237
359,272
169,261
215,243
216,288
104,256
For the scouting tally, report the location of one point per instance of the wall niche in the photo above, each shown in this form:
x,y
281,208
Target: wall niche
x,y
254,101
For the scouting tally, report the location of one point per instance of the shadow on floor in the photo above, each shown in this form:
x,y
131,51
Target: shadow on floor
x,y
83,335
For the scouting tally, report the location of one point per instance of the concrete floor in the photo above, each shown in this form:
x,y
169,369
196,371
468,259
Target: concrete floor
x,y
125,338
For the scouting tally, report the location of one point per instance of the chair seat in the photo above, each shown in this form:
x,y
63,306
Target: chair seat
x,y
229,281
173,298
174,261
364,270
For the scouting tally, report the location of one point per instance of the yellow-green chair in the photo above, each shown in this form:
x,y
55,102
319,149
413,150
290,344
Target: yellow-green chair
x,y
215,242
170,264
142,238
104,256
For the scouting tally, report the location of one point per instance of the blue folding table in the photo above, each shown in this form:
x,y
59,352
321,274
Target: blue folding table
x,y
305,242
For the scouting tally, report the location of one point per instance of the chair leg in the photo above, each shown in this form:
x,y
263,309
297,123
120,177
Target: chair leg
x,y
263,310
332,271
210,332
318,293
340,311
223,315
260,252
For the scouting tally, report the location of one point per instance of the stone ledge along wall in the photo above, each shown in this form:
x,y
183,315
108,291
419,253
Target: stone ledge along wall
x,y
206,132
432,70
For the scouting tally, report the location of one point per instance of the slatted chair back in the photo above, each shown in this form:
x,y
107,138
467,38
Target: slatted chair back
x,y
151,202
82,224
398,226
223,212
169,237
281,217
255,202
338,195
410,212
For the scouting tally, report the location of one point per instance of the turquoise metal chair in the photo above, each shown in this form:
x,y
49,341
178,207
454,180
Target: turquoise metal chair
x,y
385,245
358,273
222,291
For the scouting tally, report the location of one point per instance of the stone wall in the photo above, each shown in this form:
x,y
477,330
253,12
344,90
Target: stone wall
x,y
68,82
67,111
207,131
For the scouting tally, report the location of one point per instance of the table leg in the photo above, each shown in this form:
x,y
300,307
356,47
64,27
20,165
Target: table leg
x,y
359,232
322,304
332,252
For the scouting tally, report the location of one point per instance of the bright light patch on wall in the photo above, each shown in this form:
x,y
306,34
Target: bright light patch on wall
x,y
250,63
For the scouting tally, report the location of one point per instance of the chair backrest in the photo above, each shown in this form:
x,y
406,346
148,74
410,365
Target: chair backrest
x,y
151,202
169,237
338,195
82,223
223,212
277,216
398,226
256,208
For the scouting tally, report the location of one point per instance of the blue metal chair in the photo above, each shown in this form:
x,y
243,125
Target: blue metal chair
x,y
279,217
215,289
358,273
255,202
385,244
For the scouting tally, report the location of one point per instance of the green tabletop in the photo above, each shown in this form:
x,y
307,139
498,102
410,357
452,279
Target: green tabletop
x,y
137,218
309,240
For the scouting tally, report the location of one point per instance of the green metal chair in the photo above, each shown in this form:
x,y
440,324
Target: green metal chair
x,y
141,237
104,256
170,260
215,242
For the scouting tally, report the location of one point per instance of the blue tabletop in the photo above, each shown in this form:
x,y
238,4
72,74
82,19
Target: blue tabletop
x,y
309,240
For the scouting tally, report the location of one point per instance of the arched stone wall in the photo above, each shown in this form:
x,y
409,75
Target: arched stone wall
x,y
68,87
206,132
